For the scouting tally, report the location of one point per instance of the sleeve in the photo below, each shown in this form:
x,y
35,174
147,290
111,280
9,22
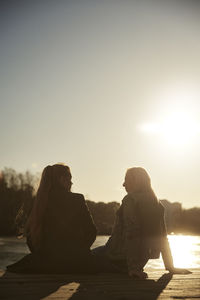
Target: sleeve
x,y
87,223
165,247
132,234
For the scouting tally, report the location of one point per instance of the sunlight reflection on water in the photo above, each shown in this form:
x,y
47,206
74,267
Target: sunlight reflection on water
x,y
185,250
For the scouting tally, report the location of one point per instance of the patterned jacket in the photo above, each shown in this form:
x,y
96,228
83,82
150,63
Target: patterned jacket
x,y
139,232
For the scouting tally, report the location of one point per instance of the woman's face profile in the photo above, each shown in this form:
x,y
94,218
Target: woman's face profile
x,y
128,184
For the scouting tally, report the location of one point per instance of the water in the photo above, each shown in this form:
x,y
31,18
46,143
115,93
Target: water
x,y
185,251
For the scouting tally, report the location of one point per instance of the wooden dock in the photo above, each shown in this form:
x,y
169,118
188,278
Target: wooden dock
x,y
160,285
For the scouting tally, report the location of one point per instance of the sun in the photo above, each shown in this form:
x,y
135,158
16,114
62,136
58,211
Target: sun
x,y
179,129
176,129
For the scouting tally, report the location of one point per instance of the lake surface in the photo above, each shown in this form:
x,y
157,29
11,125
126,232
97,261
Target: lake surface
x,y
185,251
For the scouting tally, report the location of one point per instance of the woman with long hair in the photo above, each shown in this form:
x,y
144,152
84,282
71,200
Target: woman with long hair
x,y
60,229
139,232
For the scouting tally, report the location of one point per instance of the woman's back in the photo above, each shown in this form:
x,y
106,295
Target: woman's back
x,y
68,226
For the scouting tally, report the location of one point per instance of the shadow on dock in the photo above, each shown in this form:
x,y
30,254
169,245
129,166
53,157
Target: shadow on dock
x,y
76,287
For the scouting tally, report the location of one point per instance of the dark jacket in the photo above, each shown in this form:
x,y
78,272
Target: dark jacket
x,y
68,227
67,235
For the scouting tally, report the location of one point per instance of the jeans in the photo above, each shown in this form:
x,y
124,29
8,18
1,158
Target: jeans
x,y
107,264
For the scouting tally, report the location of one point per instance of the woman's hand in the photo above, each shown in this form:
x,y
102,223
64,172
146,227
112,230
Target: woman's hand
x,y
179,271
138,274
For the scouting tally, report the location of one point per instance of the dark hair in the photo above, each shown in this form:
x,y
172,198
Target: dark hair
x,y
50,179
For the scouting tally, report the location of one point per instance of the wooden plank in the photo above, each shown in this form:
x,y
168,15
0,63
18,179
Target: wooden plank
x,y
159,285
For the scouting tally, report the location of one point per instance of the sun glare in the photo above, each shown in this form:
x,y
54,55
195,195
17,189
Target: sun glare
x,y
178,129
183,251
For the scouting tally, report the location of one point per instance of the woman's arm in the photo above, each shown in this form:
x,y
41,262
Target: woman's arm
x,y
87,223
167,255
168,260
165,248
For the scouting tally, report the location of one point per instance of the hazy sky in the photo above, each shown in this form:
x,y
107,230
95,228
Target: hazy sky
x,y
103,86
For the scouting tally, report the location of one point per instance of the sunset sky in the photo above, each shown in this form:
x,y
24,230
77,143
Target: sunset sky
x,y
103,85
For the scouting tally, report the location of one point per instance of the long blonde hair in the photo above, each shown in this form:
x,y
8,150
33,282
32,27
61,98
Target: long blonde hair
x,y
140,179
50,179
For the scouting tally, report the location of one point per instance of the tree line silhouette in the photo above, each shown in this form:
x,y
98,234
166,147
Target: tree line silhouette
x,y
17,194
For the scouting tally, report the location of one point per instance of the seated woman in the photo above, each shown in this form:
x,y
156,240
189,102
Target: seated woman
x,y
59,230
139,233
